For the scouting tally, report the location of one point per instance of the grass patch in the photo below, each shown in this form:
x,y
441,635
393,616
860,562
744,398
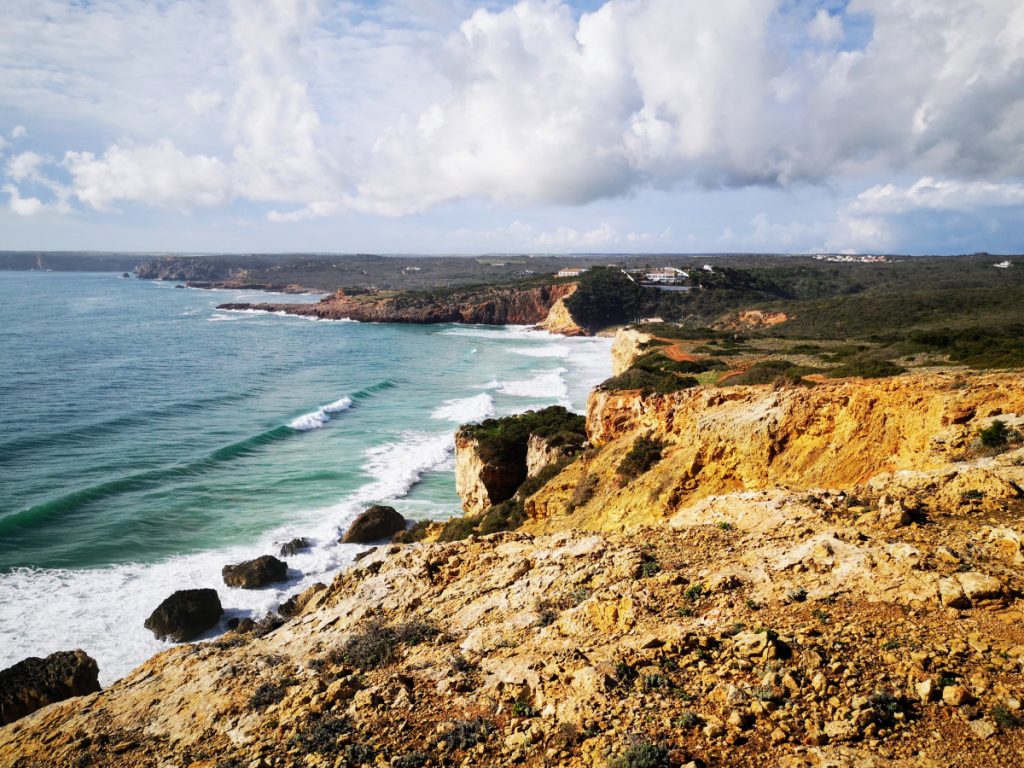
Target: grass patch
x,y
377,644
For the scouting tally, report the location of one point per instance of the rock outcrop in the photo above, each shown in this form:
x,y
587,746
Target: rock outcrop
x,y
483,481
488,306
255,574
626,348
376,523
35,683
293,547
185,615
838,434
542,452
560,320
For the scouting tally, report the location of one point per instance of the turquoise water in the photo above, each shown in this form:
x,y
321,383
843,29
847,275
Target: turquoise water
x,y
148,439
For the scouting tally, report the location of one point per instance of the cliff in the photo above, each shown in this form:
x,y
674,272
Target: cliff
x,y
837,435
492,305
482,481
626,348
795,577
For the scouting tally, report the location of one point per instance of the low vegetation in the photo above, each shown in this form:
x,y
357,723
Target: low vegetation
x,y
644,454
377,644
505,440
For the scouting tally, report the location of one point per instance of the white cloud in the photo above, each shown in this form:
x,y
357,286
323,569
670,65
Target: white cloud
x,y
23,206
18,132
159,175
204,100
24,166
826,28
322,109
932,194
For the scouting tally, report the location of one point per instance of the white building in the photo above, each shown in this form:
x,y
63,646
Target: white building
x,y
572,271
665,275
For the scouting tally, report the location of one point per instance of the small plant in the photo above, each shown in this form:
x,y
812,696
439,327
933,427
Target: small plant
x,y
547,613
821,615
624,673
891,644
266,695
797,595
417,533
358,754
649,567
694,592
461,664
1006,717
376,645
753,605
467,733
580,595
584,492
885,705
656,682
725,525
764,693
567,736
643,754
644,454
688,719
523,708
945,681
972,495
684,612
415,632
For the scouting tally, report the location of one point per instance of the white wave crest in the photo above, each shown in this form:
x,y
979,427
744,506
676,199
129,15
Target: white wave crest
x,y
549,385
547,350
466,409
320,416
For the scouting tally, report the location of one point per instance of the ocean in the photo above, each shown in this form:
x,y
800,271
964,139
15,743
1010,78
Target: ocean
x,y
147,439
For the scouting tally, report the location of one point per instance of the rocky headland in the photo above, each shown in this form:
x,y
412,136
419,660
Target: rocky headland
x,y
490,305
785,576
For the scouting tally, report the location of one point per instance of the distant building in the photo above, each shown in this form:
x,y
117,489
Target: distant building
x,y
572,271
1003,265
665,275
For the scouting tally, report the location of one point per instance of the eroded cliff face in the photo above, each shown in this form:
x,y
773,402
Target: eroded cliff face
x,y
480,482
836,435
490,306
560,320
626,349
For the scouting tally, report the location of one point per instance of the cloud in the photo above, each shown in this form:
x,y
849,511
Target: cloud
x,y
826,28
160,175
24,166
318,110
937,195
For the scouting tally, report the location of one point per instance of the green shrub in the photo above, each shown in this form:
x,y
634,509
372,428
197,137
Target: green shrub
x,y
771,372
867,369
458,528
643,754
604,296
322,734
533,484
417,533
996,435
644,454
266,695
506,516
648,382
505,440
465,734
376,645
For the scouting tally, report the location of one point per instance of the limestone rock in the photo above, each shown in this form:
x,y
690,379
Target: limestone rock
x,y
35,682
376,523
980,586
542,451
255,574
481,482
185,614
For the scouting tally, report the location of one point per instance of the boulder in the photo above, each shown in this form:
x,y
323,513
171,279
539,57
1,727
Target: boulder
x,y
255,574
376,523
295,546
980,586
34,682
185,614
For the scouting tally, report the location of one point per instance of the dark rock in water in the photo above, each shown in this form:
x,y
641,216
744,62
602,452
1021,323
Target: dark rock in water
x,y
295,546
185,614
376,523
34,682
254,574
232,623
245,626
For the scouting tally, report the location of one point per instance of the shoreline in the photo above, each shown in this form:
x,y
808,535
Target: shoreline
x,y
202,568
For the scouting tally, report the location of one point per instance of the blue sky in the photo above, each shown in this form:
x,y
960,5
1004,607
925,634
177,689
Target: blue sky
x,y
451,126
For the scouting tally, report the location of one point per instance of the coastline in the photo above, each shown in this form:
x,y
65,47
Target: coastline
x,y
394,468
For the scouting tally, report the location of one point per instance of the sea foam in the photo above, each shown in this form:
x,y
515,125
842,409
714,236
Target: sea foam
x,y
466,409
320,416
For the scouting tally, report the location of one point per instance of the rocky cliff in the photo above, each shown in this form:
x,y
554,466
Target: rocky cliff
x,y
483,481
835,435
626,348
487,306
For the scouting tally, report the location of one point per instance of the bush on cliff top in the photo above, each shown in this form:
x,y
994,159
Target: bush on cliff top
x,y
772,372
648,382
605,296
504,440
645,453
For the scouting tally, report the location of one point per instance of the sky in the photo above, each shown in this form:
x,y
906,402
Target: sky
x,y
459,126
